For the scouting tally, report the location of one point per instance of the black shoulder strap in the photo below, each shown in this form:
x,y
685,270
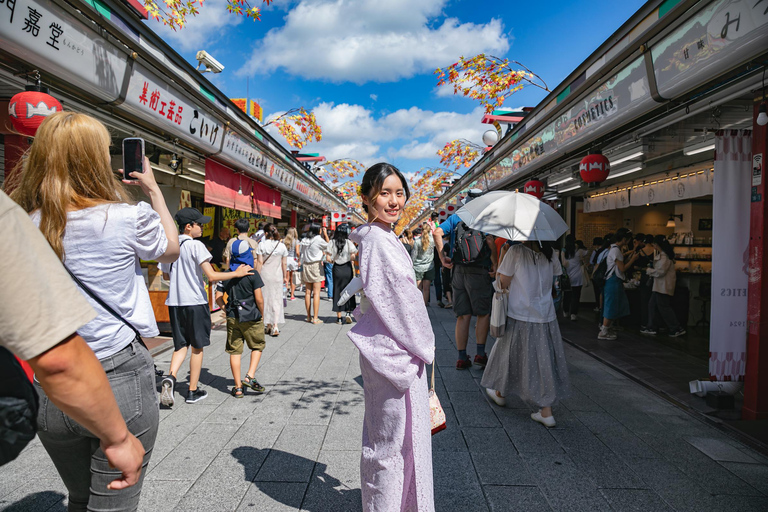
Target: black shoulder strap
x,y
180,244
105,305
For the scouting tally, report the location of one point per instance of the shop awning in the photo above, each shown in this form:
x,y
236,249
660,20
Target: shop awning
x,y
225,187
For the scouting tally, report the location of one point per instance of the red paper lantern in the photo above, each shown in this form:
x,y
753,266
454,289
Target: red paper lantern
x,y
535,188
594,168
30,108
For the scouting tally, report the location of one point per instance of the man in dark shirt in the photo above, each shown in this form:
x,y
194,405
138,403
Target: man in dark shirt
x,y
217,245
243,294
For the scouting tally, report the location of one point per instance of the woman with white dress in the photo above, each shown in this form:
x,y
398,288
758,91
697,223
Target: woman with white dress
x,y
573,257
529,360
273,263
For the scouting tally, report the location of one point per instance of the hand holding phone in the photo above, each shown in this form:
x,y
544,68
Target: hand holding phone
x,y
133,157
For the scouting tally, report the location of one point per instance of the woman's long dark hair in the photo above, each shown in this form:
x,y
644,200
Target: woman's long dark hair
x,y
373,180
570,246
665,246
271,232
340,237
314,230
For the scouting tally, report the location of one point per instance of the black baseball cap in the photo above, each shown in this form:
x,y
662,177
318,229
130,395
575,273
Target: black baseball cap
x,y
189,215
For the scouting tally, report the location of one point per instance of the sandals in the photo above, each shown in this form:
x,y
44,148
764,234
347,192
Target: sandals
x,y
318,321
253,384
238,392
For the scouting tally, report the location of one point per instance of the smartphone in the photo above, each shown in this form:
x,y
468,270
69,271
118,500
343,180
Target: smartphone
x,y
133,156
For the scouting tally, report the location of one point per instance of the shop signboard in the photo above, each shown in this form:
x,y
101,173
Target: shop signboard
x,y
164,106
248,157
44,35
621,97
720,36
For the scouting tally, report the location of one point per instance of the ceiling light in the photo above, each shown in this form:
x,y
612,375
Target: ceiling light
x,y
574,187
550,197
620,159
625,172
560,181
699,147
671,221
762,117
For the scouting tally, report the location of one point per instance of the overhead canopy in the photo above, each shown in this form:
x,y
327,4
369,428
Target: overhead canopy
x,y
223,186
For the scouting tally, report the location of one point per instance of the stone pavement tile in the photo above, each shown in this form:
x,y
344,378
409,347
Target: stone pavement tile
x,y
35,496
457,380
316,405
177,426
192,457
481,440
755,475
456,484
335,483
635,500
345,432
615,435
450,439
740,503
578,401
526,434
273,497
303,440
707,472
280,401
501,468
162,494
579,440
225,481
508,498
472,409
606,470
564,484
235,411
682,492
718,450
32,464
293,455
446,357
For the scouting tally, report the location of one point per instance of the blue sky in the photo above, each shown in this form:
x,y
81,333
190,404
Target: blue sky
x,y
365,67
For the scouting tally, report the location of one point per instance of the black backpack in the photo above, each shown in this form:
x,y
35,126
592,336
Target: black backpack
x,y
599,275
470,248
18,408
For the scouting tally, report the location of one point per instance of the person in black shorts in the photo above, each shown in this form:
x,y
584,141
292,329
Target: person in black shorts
x,y
472,285
245,324
188,303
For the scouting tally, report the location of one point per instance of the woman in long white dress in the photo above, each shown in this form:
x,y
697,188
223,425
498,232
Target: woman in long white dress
x,y
273,262
291,242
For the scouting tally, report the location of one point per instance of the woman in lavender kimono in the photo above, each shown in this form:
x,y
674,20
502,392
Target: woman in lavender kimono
x,y
395,340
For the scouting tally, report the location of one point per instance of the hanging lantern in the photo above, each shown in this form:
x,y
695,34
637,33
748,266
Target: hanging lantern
x,y
535,188
30,108
594,168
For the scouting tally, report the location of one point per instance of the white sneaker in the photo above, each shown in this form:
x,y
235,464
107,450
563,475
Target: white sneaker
x,y
574,318
548,422
606,334
499,400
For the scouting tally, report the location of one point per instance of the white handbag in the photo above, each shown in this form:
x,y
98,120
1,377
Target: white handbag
x,y
499,311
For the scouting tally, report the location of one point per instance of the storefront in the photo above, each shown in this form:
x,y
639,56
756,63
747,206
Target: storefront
x,y
99,58
677,80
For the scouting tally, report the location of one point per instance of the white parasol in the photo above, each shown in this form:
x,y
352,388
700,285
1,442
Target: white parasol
x,y
514,216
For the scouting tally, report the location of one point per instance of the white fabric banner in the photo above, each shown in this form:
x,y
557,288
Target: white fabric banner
x,y
730,252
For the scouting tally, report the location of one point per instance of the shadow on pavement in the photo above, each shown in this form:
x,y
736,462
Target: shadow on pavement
x,y
34,502
283,474
318,394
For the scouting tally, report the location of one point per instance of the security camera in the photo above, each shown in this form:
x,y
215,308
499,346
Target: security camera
x,y
211,64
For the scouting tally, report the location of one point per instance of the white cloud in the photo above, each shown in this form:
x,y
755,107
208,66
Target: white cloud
x,y
374,97
370,40
352,131
201,30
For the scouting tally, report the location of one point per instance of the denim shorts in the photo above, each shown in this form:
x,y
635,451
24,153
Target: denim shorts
x,y
76,452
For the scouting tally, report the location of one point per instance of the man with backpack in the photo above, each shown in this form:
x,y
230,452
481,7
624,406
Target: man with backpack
x,y
472,256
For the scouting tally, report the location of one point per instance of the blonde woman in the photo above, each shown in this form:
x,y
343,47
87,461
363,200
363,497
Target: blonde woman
x,y
291,242
423,256
68,186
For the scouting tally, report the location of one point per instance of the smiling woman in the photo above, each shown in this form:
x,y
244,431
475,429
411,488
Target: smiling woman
x,y
384,191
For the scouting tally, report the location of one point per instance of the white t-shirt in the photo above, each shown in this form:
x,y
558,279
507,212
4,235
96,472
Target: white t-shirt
x,y
614,255
313,249
266,246
573,266
345,256
187,286
103,245
530,292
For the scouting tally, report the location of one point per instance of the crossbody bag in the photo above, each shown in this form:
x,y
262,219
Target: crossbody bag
x,y
245,310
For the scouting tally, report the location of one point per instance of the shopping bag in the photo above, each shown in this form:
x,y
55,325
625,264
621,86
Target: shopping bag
x,y
436,413
499,311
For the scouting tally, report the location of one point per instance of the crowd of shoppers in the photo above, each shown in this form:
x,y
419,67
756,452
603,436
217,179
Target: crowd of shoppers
x,y
96,344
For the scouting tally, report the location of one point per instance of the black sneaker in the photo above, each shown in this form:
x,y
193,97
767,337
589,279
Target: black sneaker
x,y
338,320
196,395
677,333
166,390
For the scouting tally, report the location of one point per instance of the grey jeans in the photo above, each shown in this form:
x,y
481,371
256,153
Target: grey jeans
x,y
76,452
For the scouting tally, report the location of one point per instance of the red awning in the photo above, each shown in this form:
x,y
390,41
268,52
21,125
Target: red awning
x,y
222,185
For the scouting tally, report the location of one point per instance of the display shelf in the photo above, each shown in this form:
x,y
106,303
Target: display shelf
x,y
694,245
693,259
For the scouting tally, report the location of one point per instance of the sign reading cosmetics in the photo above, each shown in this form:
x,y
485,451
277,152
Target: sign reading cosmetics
x,y
620,98
44,35
162,105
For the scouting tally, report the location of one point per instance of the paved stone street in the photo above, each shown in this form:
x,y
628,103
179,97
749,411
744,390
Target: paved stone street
x,y
617,446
